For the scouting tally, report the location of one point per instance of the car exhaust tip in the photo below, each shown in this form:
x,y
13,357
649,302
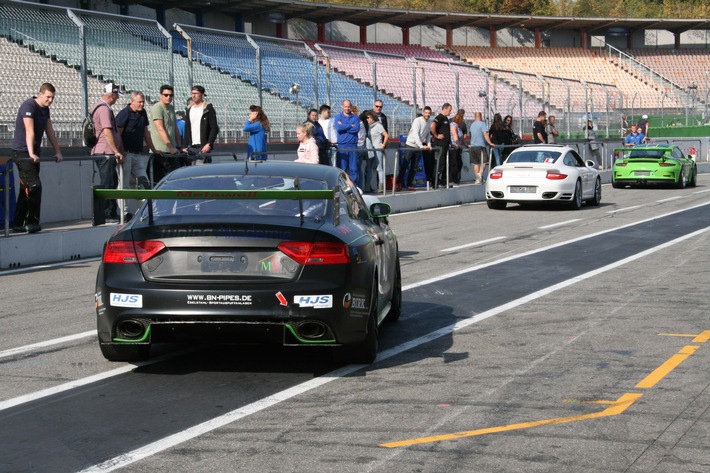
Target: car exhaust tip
x,y
311,330
130,329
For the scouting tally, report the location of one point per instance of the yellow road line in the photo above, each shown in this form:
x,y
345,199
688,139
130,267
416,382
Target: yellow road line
x,y
616,408
671,363
702,337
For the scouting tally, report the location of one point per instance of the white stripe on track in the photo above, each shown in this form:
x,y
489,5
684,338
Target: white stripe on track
x,y
46,344
270,401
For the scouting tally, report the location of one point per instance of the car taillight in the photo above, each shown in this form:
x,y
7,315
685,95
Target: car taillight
x,y
667,164
129,252
303,252
495,175
620,163
555,175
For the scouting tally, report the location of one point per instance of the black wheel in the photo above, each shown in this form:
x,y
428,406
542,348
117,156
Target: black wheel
x,y
597,193
694,181
396,301
576,202
617,185
114,352
682,181
365,351
496,204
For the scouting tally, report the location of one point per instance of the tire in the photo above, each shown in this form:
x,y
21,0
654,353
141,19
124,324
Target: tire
x,y
115,352
576,202
396,301
594,201
694,181
365,351
682,181
617,185
496,204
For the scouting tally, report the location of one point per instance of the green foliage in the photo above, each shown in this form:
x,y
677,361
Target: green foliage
x,y
580,8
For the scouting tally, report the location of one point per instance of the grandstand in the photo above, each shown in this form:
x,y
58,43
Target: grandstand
x,y
47,43
428,77
576,64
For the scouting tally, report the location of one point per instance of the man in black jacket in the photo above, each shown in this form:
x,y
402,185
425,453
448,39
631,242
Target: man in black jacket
x,y
201,127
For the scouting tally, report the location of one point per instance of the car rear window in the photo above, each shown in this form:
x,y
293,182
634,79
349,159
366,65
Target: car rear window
x,y
646,153
241,183
533,156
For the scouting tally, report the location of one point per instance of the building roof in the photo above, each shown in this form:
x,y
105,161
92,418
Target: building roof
x,y
280,10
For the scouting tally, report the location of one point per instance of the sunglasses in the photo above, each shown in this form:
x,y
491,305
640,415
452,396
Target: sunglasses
x,y
167,95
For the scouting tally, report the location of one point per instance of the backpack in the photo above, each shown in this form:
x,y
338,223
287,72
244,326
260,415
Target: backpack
x,y
88,131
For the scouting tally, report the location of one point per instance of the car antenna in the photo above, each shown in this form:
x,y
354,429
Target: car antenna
x,y
297,186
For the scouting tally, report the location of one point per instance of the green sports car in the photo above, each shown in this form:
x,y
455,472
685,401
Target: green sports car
x,y
653,164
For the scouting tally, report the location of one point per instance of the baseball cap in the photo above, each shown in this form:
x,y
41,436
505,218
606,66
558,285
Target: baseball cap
x,y
645,117
112,88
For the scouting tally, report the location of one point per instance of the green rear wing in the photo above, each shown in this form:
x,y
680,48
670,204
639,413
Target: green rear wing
x,y
212,194
623,153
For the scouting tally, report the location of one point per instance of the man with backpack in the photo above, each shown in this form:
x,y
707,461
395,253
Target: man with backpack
x,y
108,143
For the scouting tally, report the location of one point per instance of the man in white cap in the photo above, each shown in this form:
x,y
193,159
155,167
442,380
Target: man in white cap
x,y
109,143
643,126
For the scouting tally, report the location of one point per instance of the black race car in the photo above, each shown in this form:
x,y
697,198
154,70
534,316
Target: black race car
x,y
267,252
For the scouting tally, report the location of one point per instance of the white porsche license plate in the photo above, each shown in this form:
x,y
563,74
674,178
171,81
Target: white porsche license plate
x,y
522,189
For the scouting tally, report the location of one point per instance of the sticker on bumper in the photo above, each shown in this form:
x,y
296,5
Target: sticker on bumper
x,y
317,302
219,299
126,300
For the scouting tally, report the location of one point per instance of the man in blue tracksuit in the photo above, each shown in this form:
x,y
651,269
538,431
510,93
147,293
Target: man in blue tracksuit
x,y
347,126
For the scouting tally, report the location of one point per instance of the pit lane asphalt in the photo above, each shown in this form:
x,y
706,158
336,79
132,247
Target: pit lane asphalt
x,y
106,419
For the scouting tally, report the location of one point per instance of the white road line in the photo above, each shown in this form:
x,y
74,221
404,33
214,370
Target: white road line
x,y
16,401
80,335
46,343
671,198
270,401
475,243
702,191
7,272
559,224
624,209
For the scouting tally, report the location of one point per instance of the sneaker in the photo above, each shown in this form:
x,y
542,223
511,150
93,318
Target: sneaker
x,y
20,229
34,228
411,188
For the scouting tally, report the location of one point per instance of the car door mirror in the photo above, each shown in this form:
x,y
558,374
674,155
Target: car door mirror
x,y
590,163
380,210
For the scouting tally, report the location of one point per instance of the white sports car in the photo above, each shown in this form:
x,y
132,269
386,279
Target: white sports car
x,y
544,173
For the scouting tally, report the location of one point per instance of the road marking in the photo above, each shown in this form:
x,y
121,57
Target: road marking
x,y
476,243
180,437
671,363
270,401
615,408
559,224
39,267
46,343
624,209
671,198
702,191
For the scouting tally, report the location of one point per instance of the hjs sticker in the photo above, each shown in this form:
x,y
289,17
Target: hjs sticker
x,y
317,302
126,300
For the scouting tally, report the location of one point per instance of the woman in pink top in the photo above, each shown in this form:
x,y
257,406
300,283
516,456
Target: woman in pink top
x,y
308,149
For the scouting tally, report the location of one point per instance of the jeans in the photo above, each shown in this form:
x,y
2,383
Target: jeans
x,y
133,176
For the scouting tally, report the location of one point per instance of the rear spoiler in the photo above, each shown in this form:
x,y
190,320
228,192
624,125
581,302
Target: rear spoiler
x,y
619,152
214,194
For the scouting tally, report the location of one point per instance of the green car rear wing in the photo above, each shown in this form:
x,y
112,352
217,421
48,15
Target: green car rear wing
x,y
215,194
624,152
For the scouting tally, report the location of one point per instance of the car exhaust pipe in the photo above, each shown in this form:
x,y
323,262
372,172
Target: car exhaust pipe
x,y
311,330
130,329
